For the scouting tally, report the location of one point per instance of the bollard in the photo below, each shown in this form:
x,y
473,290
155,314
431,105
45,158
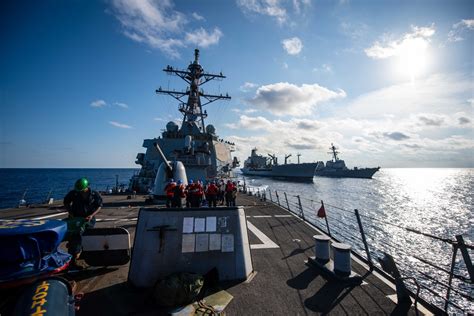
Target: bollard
x,y
342,259
321,248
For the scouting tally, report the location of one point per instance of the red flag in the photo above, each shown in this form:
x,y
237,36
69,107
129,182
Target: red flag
x,y
322,211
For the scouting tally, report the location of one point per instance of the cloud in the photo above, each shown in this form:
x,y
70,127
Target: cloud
x,y
324,68
159,119
292,46
251,123
284,66
271,8
355,31
463,120
197,16
396,136
157,24
202,38
122,105
417,39
462,26
284,98
98,103
431,119
119,125
248,86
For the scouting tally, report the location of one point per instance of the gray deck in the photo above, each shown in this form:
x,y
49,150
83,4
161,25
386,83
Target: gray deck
x,y
282,283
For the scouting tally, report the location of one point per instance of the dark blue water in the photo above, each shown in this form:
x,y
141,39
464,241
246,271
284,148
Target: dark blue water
x,y
39,182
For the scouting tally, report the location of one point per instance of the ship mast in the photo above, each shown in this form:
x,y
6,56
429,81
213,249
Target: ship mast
x,y
334,152
195,77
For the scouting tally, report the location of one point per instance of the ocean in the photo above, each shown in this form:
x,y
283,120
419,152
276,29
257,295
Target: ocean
x,y
433,201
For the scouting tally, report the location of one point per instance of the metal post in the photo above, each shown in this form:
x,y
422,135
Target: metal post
x,y
287,204
278,198
326,219
270,194
369,258
466,257
301,207
450,280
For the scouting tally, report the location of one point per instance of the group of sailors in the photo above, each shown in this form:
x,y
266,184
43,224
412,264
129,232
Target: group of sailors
x,y
198,194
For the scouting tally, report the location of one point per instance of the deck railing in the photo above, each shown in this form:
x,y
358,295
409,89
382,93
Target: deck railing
x,y
361,230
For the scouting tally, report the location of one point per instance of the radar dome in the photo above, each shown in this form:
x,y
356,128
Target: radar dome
x,y
172,127
210,129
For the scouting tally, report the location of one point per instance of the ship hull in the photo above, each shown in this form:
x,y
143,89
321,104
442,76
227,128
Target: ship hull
x,y
365,173
297,172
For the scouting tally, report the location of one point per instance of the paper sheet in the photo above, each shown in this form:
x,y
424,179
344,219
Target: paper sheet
x,y
188,243
214,241
227,243
202,242
211,224
199,225
188,224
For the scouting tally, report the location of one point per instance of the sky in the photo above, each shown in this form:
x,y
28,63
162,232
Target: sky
x,y
390,83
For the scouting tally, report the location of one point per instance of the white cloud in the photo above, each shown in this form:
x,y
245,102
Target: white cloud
x,y
454,34
202,38
272,8
292,46
197,16
248,86
285,66
417,39
324,68
288,99
122,105
355,31
159,119
157,24
98,103
119,125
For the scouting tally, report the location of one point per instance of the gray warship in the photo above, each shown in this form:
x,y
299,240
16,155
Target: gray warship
x,y
258,165
195,144
336,168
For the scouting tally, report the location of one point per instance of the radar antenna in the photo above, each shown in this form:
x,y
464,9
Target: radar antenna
x,y
195,77
334,152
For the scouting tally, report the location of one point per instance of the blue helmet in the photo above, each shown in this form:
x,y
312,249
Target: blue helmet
x,y
191,181
171,180
179,181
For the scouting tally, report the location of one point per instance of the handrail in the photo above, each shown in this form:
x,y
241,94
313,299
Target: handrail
x,y
296,207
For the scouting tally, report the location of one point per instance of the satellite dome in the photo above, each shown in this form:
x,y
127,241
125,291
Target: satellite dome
x,y
210,129
172,127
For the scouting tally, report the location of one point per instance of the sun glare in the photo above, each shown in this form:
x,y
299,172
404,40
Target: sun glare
x,y
413,57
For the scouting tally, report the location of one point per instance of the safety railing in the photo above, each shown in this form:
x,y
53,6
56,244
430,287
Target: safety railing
x,y
447,286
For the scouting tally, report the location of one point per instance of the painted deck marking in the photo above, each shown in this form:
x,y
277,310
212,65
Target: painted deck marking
x,y
267,243
261,216
283,215
49,216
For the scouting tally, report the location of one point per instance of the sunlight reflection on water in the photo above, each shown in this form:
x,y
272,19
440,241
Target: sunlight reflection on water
x,y
434,201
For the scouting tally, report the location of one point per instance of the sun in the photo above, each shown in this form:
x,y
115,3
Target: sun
x,y
413,57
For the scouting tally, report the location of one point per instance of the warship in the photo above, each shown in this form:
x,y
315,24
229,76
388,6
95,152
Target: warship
x,y
204,155
336,168
258,165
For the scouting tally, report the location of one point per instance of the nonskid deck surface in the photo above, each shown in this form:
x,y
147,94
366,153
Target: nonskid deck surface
x,y
282,283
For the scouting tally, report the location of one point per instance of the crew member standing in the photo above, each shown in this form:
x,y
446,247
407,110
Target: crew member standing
x,y
211,194
169,191
229,189
178,194
82,202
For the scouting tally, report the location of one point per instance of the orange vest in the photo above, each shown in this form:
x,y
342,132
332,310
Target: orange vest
x,y
169,189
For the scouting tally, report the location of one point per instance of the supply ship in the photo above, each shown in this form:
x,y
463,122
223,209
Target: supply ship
x,y
257,258
336,168
258,165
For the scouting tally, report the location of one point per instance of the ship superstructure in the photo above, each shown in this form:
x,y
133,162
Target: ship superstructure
x,y
195,144
258,165
336,168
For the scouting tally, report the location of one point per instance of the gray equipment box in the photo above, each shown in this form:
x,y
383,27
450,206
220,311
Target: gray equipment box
x,y
190,240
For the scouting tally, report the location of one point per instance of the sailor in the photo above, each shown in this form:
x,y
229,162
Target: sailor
x,y
211,194
221,193
178,194
188,192
200,192
229,189
82,202
234,193
169,190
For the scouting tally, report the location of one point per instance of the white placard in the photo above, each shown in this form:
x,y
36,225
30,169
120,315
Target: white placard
x,y
202,242
188,243
188,224
214,242
211,224
199,225
227,243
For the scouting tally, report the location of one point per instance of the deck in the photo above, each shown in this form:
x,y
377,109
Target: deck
x,y
282,283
